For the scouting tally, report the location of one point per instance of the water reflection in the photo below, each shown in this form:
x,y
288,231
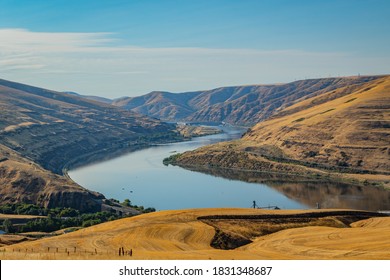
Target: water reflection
x,y
313,192
141,177
337,195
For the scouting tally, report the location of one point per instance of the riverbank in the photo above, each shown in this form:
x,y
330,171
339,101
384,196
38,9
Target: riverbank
x,y
187,131
235,156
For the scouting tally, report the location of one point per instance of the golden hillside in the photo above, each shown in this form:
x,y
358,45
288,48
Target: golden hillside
x,y
351,131
332,132
201,233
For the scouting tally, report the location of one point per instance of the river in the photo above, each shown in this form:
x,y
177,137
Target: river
x,y
141,177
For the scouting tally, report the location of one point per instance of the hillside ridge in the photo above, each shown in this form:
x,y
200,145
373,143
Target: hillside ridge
x,y
44,132
341,132
243,105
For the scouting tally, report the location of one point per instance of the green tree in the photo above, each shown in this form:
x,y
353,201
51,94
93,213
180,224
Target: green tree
x,y
8,226
69,212
126,202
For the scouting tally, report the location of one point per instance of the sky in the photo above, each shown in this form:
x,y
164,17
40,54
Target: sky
x,y
128,48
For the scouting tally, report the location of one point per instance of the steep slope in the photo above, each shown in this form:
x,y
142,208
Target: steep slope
x,y
237,105
52,128
56,130
349,131
22,180
342,130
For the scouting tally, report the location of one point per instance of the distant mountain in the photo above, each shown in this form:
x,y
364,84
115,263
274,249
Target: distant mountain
x,y
236,105
342,132
91,97
163,105
43,132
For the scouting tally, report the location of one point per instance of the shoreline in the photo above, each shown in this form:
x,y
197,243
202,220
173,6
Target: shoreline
x,y
352,179
111,153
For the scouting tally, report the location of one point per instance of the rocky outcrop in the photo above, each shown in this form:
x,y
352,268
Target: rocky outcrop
x,y
85,201
24,181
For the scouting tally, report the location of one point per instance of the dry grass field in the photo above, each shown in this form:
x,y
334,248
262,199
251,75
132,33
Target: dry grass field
x,y
181,234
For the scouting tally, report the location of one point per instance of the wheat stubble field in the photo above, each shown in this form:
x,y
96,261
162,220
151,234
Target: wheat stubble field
x,y
220,234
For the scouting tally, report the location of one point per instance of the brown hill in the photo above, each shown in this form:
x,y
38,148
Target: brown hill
x,y
43,131
22,180
246,105
52,128
345,130
221,234
163,105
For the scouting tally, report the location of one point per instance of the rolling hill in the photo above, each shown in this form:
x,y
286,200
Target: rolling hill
x,y
221,234
43,132
341,131
244,105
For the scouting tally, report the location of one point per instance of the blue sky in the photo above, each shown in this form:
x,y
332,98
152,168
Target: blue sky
x,y
127,48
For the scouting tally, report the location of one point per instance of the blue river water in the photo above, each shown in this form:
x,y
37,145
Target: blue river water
x,y
141,177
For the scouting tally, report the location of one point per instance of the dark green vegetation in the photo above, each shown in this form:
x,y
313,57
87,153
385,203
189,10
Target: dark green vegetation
x,y
127,203
171,159
53,219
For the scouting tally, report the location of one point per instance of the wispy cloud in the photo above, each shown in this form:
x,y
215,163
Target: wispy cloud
x,y
23,49
43,41
97,63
